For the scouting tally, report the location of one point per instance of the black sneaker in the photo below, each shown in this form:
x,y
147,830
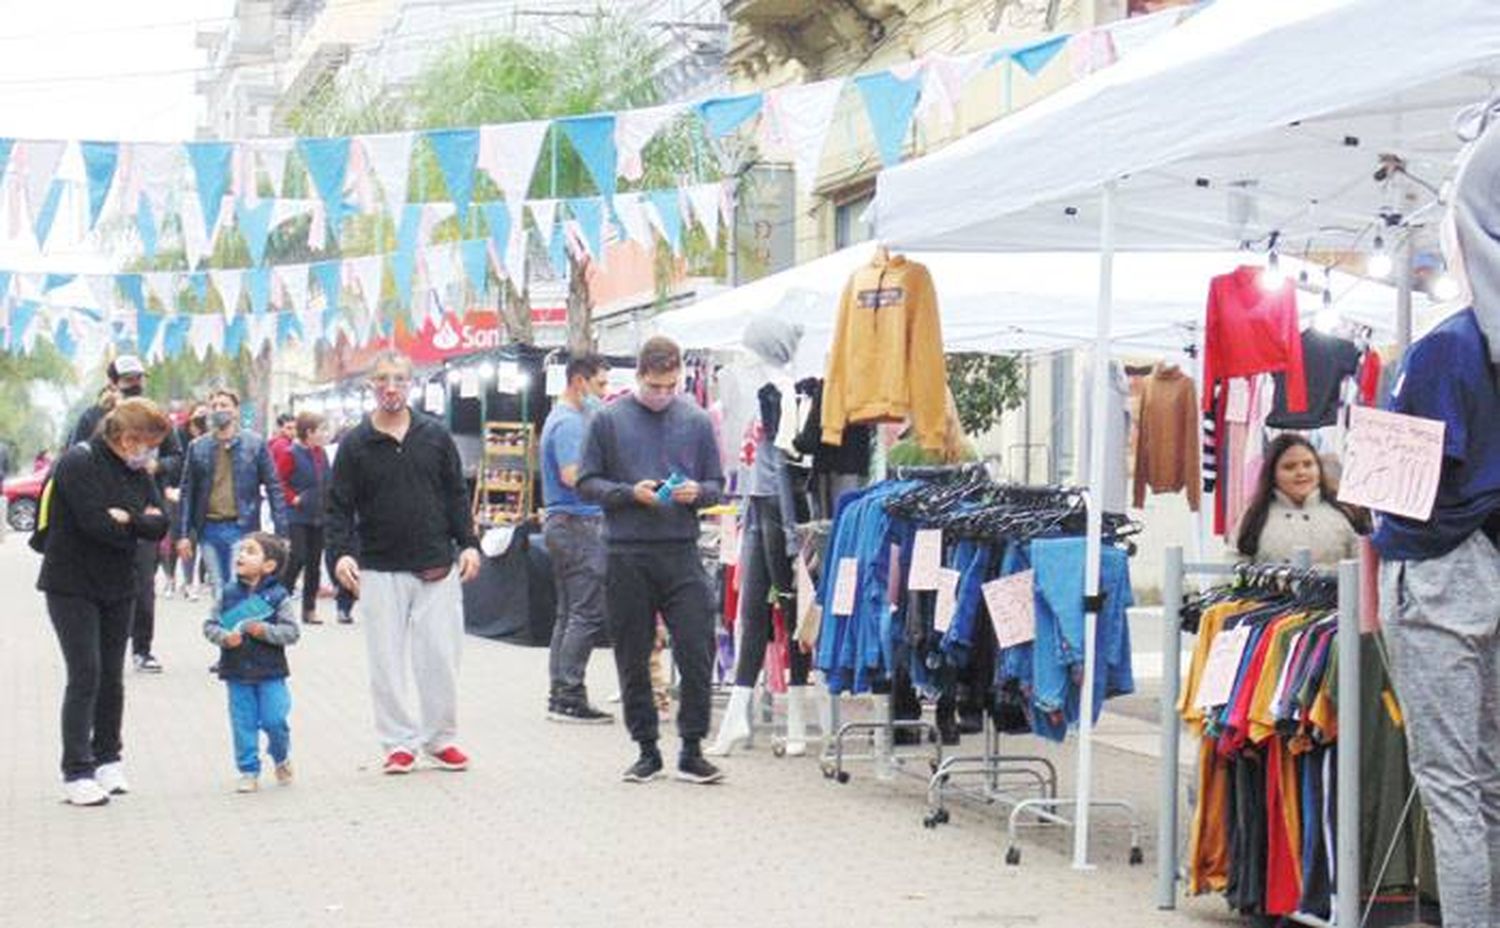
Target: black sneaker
x,y
693,768
345,618
578,713
645,769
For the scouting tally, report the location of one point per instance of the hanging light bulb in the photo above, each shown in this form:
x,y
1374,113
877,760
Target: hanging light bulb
x,y
1273,278
1379,263
486,370
1445,288
1327,318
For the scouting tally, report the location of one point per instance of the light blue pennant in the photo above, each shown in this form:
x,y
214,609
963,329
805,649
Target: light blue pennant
x,y
557,252
198,280
132,286
1033,58
100,159
255,226
53,281
404,261
21,317
48,213
6,147
234,336
456,151
147,325
589,212
497,217
211,163
476,256
329,275
5,277
890,103
62,340
288,325
258,284
723,115
593,137
668,205
327,161
145,224
174,339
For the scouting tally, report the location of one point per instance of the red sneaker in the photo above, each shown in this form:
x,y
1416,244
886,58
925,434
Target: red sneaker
x,y
400,762
451,758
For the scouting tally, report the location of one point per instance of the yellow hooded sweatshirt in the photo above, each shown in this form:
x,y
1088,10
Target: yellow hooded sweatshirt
x,y
887,364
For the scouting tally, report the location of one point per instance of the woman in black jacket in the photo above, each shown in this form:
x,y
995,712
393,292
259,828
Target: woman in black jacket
x,y
103,503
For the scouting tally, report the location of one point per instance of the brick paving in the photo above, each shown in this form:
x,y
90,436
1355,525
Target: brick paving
x,y
539,833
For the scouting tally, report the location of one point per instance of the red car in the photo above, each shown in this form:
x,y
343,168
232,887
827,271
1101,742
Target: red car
x,y
22,496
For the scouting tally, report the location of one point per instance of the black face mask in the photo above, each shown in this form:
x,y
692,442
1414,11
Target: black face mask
x,y
132,390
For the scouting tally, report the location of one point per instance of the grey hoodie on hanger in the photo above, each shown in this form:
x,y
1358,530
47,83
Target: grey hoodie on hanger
x,y
1476,216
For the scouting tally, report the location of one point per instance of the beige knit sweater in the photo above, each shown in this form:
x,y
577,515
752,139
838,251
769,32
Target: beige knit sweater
x,y
1316,524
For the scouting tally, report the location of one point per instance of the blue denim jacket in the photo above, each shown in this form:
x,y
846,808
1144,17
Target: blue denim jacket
x,y
253,470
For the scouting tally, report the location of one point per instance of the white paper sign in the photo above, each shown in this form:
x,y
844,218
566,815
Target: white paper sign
x,y
1011,602
1393,463
557,379
926,560
947,599
1222,666
845,583
468,384
434,396
806,598
729,541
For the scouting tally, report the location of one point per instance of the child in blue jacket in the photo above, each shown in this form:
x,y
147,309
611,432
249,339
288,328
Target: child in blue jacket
x,y
252,623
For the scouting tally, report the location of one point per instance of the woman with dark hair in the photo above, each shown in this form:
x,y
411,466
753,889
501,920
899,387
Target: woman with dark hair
x,y
1295,506
103,504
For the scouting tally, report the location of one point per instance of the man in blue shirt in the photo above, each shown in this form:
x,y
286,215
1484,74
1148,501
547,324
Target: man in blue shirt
x,y
1440,578
575,544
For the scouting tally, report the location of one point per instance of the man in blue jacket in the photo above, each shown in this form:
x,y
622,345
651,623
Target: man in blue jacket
x,y
223,477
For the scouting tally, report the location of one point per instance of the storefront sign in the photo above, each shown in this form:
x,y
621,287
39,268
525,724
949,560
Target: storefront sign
x,y
1392,463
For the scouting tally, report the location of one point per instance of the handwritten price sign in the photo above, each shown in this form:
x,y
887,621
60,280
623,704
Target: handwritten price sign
x,y
1392,463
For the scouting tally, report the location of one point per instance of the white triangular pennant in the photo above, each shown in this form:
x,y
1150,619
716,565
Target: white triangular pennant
x,y
163,286
289,209
262,332
366,273
515,254
634,130
432,215
42,157
706,200
230,285
637,226
272,154
508,153
1130,35
294,286
943,84
442,266
653,214
153,170
544,214
389,158
206,334
195,239
798,122
102,286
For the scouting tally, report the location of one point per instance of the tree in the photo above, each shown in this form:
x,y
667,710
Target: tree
x,y
21,427
985,387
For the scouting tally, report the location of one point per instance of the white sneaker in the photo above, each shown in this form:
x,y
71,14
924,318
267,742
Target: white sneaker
x,y
111,778
84,793
247,783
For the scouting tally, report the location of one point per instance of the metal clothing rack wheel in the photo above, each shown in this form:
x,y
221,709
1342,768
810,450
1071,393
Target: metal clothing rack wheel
x,y
880,734
1003,779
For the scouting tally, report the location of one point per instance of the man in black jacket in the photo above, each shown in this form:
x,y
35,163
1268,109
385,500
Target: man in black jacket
x,y
398,478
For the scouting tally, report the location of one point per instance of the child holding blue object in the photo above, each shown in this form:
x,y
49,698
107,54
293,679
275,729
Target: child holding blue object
x,y
252,623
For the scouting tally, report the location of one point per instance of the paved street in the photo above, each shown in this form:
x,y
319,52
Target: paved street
x,y
539,833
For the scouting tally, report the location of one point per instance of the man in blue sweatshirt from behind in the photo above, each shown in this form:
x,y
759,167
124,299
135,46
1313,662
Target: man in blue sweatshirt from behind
x,y
651,462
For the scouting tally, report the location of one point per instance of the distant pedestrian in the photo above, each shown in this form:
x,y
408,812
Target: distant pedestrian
x,y
279,442
103,506
304,483
398,515
253,621
222,480
575,543
652,461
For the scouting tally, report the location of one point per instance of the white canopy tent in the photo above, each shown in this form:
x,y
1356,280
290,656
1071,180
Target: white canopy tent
x,y
1257,121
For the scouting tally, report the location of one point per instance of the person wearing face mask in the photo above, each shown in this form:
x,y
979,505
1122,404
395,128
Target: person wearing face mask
x,y
225,473
575,545
304,484
127,380
1294,507
398,518
104,505
651,462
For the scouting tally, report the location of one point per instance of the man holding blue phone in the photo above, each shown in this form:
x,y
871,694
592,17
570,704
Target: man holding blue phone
x,y
651,462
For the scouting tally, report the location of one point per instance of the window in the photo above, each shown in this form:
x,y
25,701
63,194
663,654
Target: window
x,y
850,224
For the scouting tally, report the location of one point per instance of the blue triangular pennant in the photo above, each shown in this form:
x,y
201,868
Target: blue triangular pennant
x,y
174,340
1033,58
211,162
890,103
329,275
62,340
4,285
456,151
476,257
404,260
53,281
287,325
99,162
255,226
497,217
327,161
723,115
593,137
21,317
258,284
145,224
589,213
48,213
198,280
147,325
6,147
668,205
557,252
135,292
234,336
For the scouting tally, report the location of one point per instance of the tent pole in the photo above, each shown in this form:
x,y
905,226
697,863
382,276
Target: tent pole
x,y
1093,552
1404,261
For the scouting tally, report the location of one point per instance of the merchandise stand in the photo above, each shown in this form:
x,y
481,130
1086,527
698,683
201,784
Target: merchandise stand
x,y
878,735
1003,777
1346,911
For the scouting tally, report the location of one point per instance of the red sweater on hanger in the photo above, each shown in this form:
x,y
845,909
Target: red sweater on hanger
x,y
1252,330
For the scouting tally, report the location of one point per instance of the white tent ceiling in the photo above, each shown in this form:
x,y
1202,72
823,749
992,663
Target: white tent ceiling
x,y
1252,117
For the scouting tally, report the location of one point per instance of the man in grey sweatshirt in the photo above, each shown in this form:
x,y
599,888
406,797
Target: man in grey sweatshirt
x,y
651,462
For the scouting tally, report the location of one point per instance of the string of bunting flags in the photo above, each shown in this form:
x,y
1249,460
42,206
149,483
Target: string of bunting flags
x,y
209,186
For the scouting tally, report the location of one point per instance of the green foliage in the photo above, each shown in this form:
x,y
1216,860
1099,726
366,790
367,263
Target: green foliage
x,y
21,426
985,386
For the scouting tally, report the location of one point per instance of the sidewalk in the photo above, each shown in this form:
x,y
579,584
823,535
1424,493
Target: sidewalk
x,y
539,833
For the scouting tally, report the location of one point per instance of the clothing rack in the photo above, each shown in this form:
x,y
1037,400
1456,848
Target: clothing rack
x,y
1346,910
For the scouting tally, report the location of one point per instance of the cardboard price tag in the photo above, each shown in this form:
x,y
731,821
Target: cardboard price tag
x,y
845,585
729,540
1011,602
1392,463
926,560
947,599
1222,665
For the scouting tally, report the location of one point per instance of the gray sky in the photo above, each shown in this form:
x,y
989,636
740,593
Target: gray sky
x,y
94,68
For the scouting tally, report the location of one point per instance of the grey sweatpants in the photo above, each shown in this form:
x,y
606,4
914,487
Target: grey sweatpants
x,y
1442,625
575,545
416,629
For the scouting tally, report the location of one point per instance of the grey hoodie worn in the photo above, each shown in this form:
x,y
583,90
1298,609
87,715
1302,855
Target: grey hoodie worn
x,y
1476,217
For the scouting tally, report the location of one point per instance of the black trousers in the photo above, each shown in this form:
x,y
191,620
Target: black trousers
x,y
640,582
307,560
92,635
764,567
143,622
